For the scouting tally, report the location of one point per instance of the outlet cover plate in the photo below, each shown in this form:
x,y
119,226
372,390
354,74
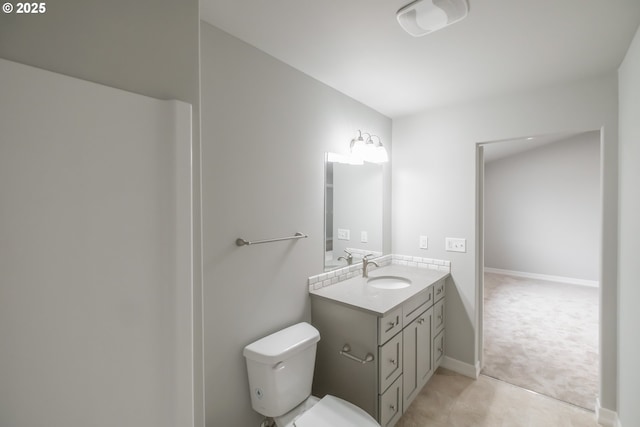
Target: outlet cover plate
x,y
424,242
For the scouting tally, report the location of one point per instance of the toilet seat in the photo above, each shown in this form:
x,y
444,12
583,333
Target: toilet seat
x,y
333,411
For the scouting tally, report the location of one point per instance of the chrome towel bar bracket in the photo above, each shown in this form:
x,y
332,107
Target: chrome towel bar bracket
x,y
243,242
346,352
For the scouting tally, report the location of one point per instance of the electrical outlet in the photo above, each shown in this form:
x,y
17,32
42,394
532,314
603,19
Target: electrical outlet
x,y
424,242
455,245
344,234
364,237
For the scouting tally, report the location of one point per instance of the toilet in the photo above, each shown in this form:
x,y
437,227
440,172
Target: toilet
x,y
280,368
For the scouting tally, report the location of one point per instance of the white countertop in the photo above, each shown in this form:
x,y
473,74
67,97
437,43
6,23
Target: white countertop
x,y
357,293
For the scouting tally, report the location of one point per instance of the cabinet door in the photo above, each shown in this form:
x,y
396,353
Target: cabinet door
x,y
390,362
438,317
439,290
417,356
389,325
391,404
438,349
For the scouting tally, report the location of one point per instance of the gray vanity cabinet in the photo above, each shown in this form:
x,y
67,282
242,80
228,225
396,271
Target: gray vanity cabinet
x,y
335,373
379,363
417,365
437,331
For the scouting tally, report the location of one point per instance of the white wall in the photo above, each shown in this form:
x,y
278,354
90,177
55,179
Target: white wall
x,y
434,192
148,47
95,299
265,129
629,268
542,209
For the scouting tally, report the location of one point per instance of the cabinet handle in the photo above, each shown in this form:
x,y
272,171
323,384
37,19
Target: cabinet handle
x,y
439,291
440,317
392,407
421,320
392,361
346,352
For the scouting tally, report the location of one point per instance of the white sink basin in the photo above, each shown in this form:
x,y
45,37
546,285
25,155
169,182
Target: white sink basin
x,y
389,282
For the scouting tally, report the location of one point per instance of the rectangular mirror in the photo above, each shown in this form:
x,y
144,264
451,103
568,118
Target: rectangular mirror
x,y
353,212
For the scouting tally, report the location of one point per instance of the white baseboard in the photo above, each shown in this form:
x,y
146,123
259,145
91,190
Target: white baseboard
x,y
606,417
560,279
460,367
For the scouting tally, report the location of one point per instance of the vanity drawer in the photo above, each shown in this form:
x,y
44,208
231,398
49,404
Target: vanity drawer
x,y
391,404
439,290
438,349
416,305
389,325
438,317
390,362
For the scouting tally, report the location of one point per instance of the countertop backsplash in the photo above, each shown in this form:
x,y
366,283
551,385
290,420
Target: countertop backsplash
x,y
347,272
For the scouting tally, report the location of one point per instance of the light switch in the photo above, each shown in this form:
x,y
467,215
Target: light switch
x,y
455,245
424,242
344,234
364,237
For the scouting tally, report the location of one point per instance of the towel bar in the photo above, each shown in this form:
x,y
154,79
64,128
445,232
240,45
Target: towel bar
x,y
243,242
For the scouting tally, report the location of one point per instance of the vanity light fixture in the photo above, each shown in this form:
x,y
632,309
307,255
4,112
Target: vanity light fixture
x,y
369,149
422,17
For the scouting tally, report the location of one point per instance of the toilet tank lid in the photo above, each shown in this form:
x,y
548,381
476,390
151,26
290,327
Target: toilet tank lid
x,y
283,344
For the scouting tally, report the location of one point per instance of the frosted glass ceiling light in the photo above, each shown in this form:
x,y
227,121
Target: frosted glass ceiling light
x,y
426,16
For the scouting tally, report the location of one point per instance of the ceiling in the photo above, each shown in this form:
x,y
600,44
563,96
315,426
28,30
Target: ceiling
x,y
358,48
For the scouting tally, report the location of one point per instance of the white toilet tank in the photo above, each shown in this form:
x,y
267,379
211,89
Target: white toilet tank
x,y
280,368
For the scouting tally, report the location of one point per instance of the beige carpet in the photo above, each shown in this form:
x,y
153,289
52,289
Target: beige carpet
x,y
451,400
542,336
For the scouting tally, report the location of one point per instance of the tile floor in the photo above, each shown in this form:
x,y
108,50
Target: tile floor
x,y
452,400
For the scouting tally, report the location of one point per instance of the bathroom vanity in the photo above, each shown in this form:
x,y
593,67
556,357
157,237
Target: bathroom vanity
x,y
382,338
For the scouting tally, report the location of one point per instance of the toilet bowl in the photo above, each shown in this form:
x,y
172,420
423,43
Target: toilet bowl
x,y
328,411
280,368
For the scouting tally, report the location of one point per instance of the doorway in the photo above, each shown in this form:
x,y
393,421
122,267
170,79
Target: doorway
x,y
538,256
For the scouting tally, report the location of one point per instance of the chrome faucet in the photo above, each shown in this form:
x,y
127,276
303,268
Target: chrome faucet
x,y
365,265
349,257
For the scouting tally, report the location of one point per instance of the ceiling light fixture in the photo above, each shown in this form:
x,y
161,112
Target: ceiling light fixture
x,y
422,17
368,149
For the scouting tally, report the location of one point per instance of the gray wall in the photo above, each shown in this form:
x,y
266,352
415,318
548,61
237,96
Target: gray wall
x,y
434,192
265,129
95,319
629,289
542,209
148,47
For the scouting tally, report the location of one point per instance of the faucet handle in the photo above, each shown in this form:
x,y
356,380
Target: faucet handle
x,y
367,256
348,253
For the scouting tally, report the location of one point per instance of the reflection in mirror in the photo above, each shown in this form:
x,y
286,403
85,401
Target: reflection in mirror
x,y
353,212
